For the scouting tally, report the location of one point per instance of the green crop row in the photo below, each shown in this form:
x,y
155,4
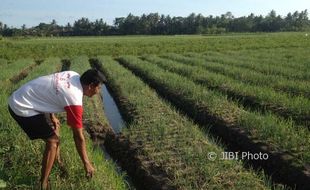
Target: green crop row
x,y
291,57
170,140
12,69
297,108
246,75
202,103
267,67
106,176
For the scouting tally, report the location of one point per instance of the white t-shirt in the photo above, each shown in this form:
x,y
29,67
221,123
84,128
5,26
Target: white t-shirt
x,y
53,93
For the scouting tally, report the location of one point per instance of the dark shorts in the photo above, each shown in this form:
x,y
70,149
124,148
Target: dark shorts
x,y
36,127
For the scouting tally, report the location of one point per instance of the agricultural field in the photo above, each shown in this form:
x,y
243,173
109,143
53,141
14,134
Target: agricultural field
x,y
201,112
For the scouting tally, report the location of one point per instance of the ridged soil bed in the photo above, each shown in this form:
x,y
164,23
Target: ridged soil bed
x,y
141,170
168,141
23,74
233,125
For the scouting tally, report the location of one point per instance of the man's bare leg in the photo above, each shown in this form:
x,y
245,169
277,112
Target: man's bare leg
x,y
58,159
49,156
60,164
57,132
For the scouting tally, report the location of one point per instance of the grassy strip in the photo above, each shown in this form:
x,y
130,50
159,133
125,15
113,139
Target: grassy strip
x,y
294,57
106,176
297,88
15,68
269,67
265,99
206,106
170,140
21,158
143,174
22,74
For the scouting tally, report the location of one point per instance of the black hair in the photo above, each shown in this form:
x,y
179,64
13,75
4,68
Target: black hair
x,y
92,76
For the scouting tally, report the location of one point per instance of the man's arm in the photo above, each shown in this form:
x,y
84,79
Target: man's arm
x,y
80,144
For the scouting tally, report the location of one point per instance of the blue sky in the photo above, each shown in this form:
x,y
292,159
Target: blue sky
x,y
32,12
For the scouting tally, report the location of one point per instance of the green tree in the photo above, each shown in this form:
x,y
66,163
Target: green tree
x,y
82,27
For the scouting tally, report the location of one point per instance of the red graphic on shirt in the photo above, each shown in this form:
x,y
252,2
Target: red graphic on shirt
x,y
62,81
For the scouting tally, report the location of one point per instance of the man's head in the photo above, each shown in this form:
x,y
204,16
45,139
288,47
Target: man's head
x,y
91,81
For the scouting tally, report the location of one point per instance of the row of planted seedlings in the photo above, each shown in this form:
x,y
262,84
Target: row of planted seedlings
x,y
232,68
287,147
297,88
169,142
106,174
291,81
18,69
24,72
21,158
13,66
265,66
294,57
253,97
140,170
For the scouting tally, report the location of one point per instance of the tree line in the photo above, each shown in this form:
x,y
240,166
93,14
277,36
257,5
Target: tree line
x,y
156,24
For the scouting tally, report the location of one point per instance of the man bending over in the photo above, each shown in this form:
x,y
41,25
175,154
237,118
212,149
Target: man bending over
x,y
33,106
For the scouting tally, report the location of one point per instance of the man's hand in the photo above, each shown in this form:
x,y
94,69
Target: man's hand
x,y
81,148
56,124
90,170
55,120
